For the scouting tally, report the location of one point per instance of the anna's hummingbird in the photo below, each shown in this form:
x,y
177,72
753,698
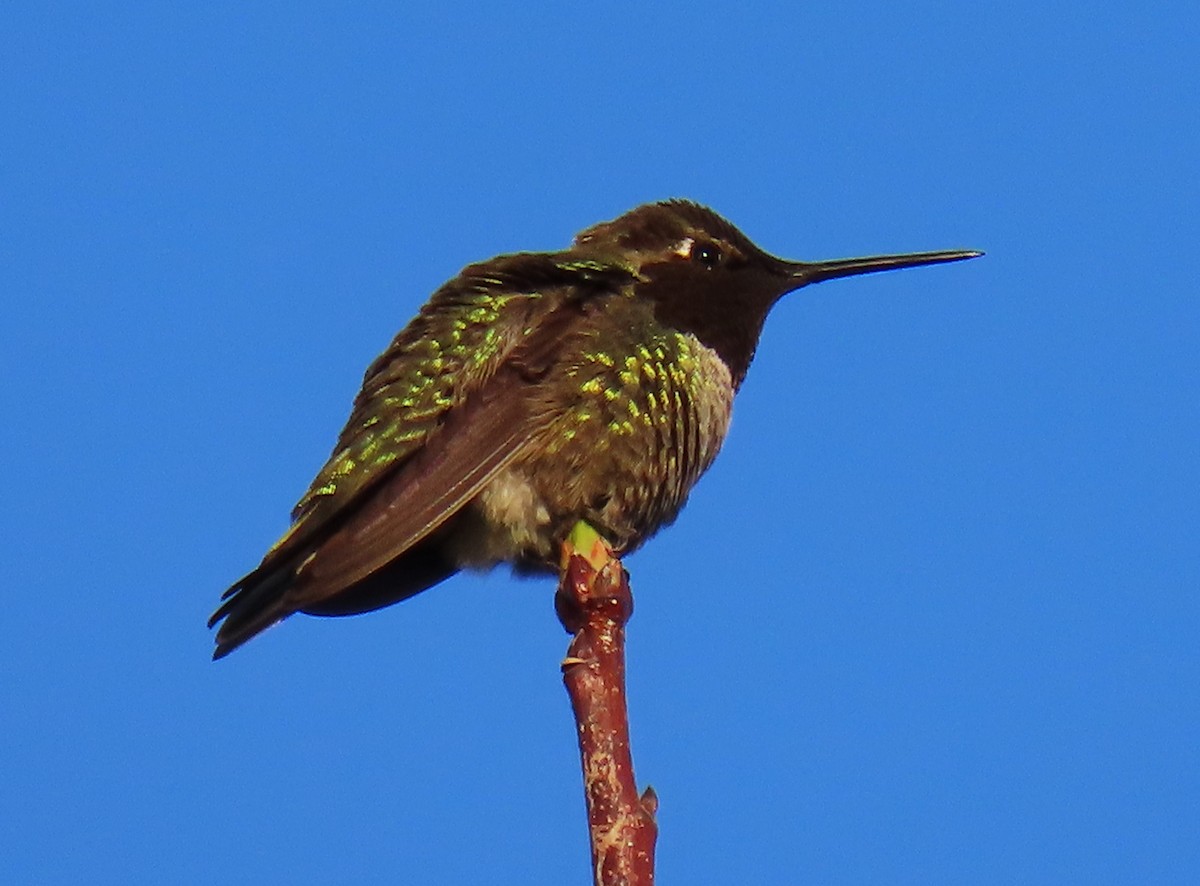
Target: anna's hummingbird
x,y
532,391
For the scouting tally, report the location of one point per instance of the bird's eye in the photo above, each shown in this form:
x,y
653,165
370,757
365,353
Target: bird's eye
x,y
706,254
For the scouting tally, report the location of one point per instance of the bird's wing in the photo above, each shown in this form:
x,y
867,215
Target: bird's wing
x,y
476,440
440,412
501,314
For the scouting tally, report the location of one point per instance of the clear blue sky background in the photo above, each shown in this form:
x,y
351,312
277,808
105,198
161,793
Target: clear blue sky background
x,y
931,618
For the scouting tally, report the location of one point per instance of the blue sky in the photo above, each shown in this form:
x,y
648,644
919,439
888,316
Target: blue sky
x,y
931,618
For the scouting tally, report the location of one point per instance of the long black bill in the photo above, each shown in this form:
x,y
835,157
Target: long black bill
x,y
814,272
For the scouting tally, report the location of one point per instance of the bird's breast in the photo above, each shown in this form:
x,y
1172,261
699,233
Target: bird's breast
x,y
631,430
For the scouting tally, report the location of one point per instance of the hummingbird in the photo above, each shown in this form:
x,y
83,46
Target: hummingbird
x,y
532,391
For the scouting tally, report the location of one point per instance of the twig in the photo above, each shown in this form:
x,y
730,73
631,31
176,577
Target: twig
x,y
593,603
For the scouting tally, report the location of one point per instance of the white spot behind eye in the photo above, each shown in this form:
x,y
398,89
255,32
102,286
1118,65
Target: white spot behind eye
x,y
684,247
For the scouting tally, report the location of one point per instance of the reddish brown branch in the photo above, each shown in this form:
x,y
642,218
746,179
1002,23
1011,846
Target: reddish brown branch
x,y
593,603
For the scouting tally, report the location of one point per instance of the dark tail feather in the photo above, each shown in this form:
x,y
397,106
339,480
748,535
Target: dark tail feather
x,y
251,606
269,595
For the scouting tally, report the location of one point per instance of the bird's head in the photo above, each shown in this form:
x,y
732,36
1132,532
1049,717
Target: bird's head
x,y
706,277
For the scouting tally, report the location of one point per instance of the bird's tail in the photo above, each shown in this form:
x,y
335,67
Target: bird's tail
x,y
252,605
278,588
